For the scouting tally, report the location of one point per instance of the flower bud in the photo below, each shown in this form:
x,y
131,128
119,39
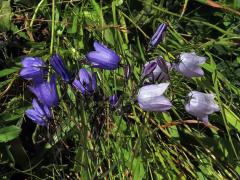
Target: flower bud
x,y
59,67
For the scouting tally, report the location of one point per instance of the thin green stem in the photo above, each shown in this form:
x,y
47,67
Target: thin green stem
x,y
35,13
53,27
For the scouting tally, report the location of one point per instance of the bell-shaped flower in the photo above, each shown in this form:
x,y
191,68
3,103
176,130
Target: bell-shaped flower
x,y
33,68
113,100
189,65
46,92
40,114
158,35
85,82
151,98
60,68
201,105
103,57
156,70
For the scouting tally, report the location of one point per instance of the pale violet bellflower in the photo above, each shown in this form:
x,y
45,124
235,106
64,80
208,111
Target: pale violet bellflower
x,y
201,105
151,98
156,70
189,65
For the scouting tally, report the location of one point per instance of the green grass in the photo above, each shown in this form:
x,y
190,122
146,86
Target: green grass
x,y
88,140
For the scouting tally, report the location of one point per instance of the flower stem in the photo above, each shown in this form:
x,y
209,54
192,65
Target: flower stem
x,y
53,26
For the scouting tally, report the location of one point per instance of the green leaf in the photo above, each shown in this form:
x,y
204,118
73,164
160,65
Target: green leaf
x,y
9,71
9,133
74,28
9,116
5,16
232,118
138,169
118,2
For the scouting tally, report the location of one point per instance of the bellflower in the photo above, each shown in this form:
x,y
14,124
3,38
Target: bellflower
x,y
40,114
156,70
201,105
189,65
158,35
103,57
85,82
113,100
46,92
33,68
151,98
60,68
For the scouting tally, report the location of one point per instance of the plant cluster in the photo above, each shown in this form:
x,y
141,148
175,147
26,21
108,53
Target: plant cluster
x,y
150,97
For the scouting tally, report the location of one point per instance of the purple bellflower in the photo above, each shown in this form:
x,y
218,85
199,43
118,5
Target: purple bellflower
x,y
189,65
46,92
151,98
158,35
33,69
113,100
103,57
156,70
40,114
201,105
60,68
85,82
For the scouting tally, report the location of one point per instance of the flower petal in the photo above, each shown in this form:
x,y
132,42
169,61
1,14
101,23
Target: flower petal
x,y
34,116
153,90
103,60
158,103
33,62
59,67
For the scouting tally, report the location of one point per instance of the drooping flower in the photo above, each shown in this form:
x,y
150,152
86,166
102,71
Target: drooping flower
x,y
189,65
46,92
40,114
113,100
156,70
158,35
151,98
85,82
59,67
201,105
103,57
33,69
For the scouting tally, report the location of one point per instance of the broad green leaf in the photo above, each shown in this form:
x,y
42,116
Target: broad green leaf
x,y
9,133
9,71
232,118
138,169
